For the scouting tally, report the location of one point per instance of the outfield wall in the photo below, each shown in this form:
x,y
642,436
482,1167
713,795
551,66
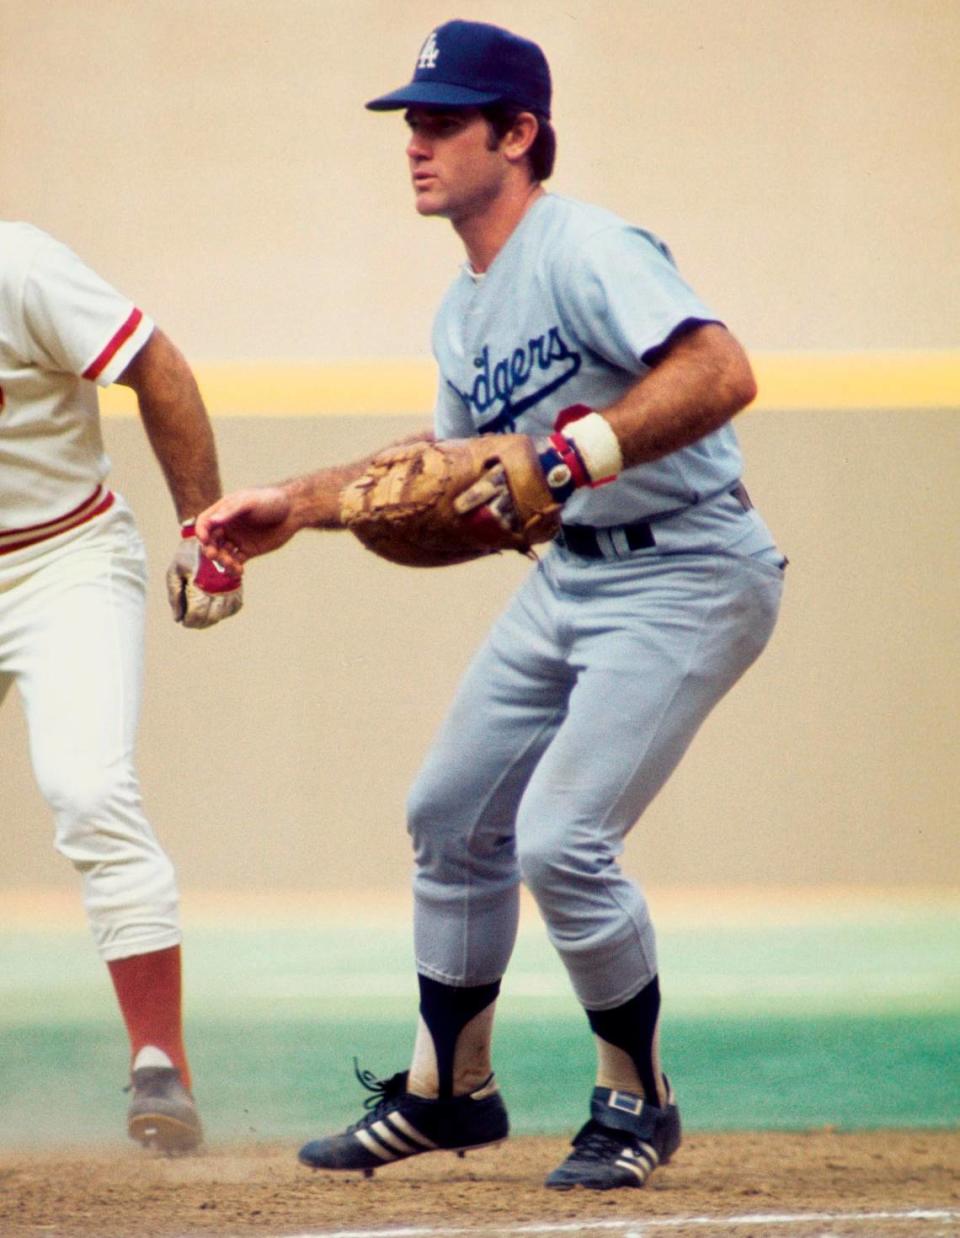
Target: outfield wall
x,y
276,749
213,158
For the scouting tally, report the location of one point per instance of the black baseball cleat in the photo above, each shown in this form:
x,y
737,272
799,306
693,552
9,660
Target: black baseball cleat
x,y
400,1125
162,1113
621,1145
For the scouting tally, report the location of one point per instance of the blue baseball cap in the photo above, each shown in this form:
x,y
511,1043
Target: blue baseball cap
x,y
471,64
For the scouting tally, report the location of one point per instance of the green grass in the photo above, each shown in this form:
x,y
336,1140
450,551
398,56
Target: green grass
x,y
292,1079
853,1024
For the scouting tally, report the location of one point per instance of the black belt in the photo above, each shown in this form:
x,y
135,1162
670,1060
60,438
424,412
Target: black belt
x,y
583,539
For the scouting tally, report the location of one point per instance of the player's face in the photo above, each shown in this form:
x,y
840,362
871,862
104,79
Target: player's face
x,y
453,169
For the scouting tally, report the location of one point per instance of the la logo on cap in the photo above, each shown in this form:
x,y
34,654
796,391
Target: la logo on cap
x,y
429,52
473,64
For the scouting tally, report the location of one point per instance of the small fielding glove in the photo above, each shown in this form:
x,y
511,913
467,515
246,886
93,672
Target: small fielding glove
x,y
429,504
201,592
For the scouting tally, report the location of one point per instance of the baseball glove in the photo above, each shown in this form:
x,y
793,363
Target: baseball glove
x,y
428,504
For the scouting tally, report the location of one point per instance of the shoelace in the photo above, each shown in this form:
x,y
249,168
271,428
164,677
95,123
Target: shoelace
x,y
594,1143
383,1092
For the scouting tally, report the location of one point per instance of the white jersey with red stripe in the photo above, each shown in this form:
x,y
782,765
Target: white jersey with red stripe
x,y
63,330
72,586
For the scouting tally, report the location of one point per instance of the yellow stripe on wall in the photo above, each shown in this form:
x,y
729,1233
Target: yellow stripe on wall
x,y
864,380
304,388
801,380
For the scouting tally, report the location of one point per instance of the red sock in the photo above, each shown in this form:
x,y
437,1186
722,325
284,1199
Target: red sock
x,y
148,990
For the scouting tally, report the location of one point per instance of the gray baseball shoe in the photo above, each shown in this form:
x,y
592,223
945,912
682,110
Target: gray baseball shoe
x,y
162,1113
622,1143
400,1125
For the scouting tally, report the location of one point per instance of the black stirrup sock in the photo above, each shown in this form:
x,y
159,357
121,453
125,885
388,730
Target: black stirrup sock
x,y
447,1010
632,1028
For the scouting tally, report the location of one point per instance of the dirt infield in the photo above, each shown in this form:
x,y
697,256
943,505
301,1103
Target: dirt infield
x,y
881,1183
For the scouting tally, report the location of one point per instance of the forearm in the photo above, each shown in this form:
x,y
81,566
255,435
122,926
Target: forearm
x,y
702,382
260,520
176,424
315,497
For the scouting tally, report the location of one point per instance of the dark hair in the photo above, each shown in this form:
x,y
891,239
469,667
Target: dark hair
x,y
501,117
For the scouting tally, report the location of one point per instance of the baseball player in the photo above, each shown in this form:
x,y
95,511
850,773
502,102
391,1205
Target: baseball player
x,y
662,585
72,589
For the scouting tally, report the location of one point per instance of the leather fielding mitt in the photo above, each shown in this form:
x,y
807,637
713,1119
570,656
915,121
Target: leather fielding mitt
x,y
429,504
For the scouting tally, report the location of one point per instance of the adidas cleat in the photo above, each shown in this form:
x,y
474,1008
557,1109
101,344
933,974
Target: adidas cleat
x,y
162,1112
400,1125
621,1145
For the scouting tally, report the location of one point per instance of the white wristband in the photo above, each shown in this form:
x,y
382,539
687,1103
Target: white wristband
x,y
598,446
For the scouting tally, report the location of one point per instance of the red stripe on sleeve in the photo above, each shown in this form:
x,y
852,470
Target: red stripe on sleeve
x,y
120,338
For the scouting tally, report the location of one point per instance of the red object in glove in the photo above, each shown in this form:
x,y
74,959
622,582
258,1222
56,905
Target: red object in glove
x,y
210,576
200,592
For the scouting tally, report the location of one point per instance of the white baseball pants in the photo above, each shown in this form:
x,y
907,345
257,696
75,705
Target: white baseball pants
x,y
71,638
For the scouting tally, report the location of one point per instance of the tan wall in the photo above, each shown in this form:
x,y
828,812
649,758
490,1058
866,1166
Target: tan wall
x,y
213,158
277,748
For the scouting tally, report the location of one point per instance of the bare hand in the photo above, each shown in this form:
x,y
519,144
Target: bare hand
x,y
245,524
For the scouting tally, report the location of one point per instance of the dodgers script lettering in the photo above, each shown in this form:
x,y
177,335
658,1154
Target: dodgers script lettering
x,y
498,383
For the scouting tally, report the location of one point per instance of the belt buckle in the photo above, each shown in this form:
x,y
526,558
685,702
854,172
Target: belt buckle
x,y
616,541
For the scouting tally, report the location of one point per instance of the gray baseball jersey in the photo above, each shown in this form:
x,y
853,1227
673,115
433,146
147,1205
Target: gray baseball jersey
x,y
571,313
594,681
